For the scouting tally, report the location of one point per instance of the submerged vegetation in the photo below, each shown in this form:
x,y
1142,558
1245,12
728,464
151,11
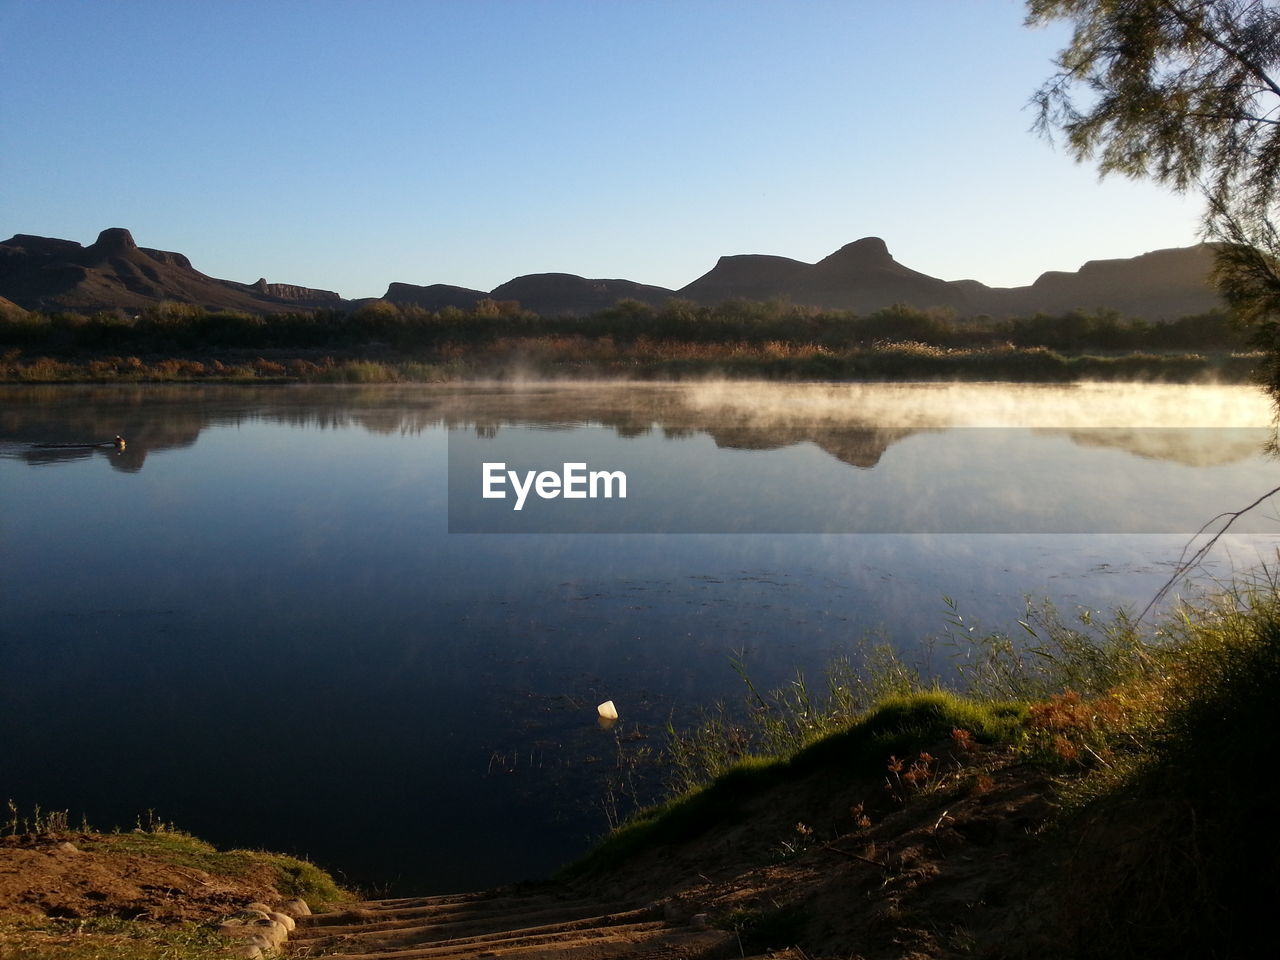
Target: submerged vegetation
x,y
1153,739
384,342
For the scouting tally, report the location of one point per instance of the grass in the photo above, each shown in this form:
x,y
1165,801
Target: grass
x,y
897,724
641,358
164,843
106,938
1179,805
1161,740
118,938
291,876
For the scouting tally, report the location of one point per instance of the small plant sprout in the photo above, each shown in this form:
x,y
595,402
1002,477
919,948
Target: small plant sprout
x,y
859,815
963,740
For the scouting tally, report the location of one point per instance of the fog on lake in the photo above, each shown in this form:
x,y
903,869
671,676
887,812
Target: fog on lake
x,y
255,619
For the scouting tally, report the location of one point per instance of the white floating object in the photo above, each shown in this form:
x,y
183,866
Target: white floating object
x,y
607,710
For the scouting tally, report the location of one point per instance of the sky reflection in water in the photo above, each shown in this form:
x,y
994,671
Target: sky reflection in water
x,y
255,621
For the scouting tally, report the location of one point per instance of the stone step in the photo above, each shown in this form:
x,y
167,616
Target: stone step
x,y
375,911
459,930
493,940
655,943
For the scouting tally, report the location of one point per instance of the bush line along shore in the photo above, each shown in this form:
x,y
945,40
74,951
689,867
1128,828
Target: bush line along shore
x,y
384,342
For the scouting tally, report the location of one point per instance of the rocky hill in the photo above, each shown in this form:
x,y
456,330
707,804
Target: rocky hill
x,y
564,293
863,277
41,273
437,296
1161,285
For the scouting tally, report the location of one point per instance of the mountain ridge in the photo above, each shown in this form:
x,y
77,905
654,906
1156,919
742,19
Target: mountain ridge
x,y
114,272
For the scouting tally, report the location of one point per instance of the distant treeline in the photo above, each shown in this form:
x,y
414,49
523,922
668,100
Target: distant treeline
x,y
174,328
638,359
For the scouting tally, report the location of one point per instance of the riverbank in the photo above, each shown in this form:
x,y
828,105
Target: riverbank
x,y
152,893
1092,796
642,359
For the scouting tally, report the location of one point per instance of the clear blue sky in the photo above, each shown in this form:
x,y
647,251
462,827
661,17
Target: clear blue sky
x,y
345,144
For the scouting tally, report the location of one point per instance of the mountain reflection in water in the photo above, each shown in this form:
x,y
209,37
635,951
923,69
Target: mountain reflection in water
x,y
257,624
854,423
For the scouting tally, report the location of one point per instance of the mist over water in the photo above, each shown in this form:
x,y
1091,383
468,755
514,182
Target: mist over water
x,y
1091,405
255,621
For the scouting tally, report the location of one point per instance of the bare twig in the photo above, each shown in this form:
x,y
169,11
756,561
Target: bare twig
x,y
855,856
1188,563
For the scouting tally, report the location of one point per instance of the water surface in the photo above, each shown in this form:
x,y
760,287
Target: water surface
x,y
255,620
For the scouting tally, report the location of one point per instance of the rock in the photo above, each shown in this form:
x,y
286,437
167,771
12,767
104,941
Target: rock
x,y
266,933
283,919
258,907
249,915
67,847
246,951
114,240
295,908
302,295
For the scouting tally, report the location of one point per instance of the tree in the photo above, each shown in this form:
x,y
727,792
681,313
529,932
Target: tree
x,y
1187,93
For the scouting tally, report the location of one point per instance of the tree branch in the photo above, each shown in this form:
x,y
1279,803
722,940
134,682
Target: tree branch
x,y
1181,16
1187,564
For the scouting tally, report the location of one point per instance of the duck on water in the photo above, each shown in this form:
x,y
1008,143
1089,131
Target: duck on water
x,y
118,443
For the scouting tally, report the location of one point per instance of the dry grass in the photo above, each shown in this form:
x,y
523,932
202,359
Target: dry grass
x,y
106,939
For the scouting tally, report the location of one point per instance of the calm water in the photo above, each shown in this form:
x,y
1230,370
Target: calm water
x,y
255,620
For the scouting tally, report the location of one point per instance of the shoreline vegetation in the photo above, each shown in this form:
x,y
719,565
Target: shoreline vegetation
x,y
70,892
1135,749
386,343
1090,789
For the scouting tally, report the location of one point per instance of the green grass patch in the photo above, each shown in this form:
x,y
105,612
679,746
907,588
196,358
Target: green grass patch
x,y
106,938
1162,842
291,876
898,724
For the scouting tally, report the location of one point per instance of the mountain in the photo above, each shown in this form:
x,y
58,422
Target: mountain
x,y
437,296
567,294
861,276
40,273
552,294
1161,285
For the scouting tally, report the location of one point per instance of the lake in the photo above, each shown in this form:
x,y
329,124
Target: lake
x,y
287,617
